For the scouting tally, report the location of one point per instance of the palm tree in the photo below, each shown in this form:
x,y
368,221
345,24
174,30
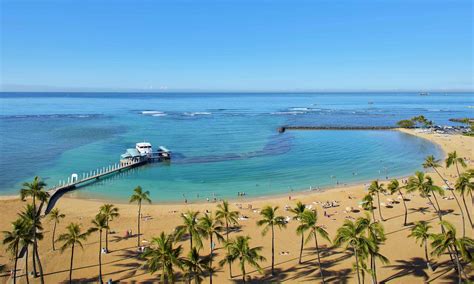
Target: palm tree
x,y
111,212
32,227
298,211
196,265
375,236
210,227
240,249
421,233
350,234
424,185
394,186
190,226
139,196
368,204
453,159
100,224
26,242
309,220
464,186
72,238
270,220
163,255
12,241
35,189
55,216
376,188
229,217
448,241
431,162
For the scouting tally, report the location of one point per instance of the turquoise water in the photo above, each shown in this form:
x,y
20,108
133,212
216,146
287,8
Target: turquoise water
x,y
223,143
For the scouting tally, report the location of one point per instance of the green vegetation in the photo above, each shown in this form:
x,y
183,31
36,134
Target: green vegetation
x,y
110,212
309,220
298,210
100,224
138,197
55,216
269,220
240,249
420,232
416,121
72,238
406,123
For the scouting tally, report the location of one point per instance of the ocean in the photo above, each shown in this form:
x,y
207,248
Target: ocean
x,y
222,143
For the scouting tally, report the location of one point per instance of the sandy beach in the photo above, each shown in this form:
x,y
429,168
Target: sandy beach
x,y
121,264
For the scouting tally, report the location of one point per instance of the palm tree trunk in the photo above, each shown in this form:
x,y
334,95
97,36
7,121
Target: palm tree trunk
x,y
40,267
458,264
374,269
462,213
301,247
442,227
319,259
243,270
428,265
210,262
54,233
227,240
373,214
35,273
467,210
404,205
70,267
16,262
357,264
100,256
26,265
139,213
457,201
191,240
436,211
380,209
163,275
437,204
273,251
107,237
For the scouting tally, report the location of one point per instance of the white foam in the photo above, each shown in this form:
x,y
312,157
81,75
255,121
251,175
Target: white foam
x,y
288,112
197,113
151,112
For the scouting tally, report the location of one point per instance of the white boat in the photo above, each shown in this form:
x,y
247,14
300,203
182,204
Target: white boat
x,y
144,148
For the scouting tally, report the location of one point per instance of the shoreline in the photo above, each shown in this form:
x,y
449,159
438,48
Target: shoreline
x,y
297,193
121,265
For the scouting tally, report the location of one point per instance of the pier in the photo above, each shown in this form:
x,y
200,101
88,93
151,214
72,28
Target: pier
x,y
284,128
76,180
134,157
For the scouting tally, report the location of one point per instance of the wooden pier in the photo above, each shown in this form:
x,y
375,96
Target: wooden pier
x,y
284,128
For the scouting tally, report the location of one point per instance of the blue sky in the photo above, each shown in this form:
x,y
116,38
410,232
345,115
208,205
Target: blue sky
x,y
237,45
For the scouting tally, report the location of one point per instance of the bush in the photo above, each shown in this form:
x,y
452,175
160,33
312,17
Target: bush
x,y
406,123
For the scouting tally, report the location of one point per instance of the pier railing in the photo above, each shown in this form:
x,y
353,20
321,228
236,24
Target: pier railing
x,y
77,179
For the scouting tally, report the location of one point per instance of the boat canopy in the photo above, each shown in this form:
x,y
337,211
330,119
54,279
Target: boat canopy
x,y
162,148
131,153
